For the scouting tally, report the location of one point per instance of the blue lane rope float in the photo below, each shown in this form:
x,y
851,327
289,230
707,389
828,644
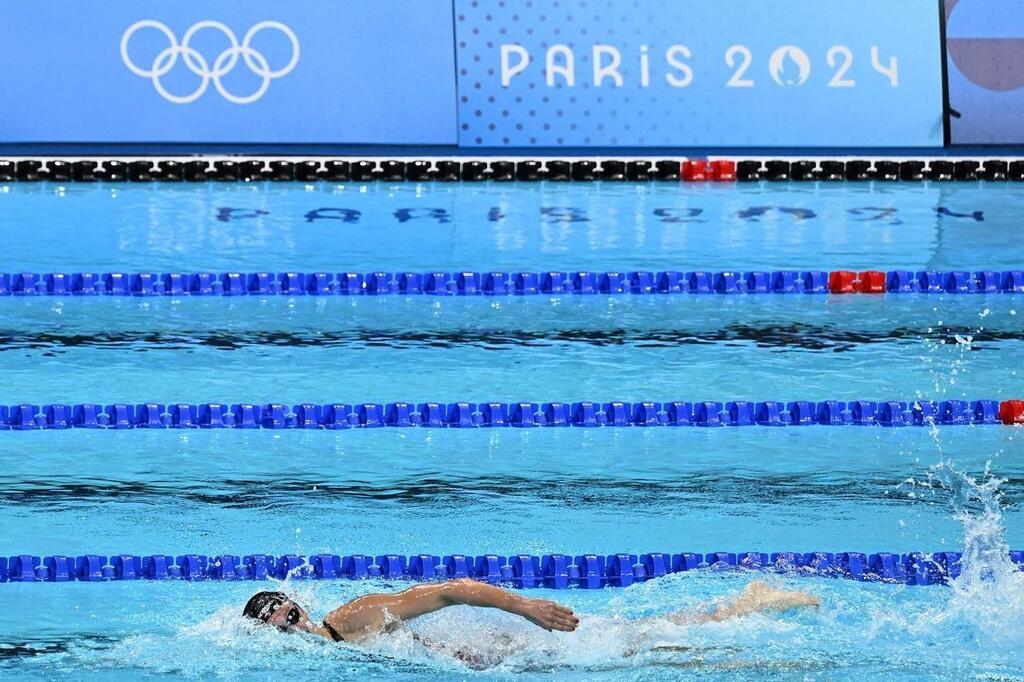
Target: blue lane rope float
x,y
506,284
338,416
557,571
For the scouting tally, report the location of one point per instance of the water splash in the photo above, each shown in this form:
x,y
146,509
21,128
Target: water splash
x,y
984,608
988,596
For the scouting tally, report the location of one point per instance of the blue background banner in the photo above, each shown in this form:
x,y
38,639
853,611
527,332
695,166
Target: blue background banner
x,y
985,52
322,71
667,73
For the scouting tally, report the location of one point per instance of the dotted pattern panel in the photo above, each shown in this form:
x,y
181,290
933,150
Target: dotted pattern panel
x,y
534,114
789,101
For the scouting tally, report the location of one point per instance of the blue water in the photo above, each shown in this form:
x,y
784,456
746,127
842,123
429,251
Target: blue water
x,y
514,226
509,490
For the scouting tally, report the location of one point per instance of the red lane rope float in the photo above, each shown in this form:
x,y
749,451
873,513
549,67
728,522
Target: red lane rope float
x,y
1011,412
849,282
697,171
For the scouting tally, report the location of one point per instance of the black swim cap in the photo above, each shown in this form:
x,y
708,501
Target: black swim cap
x,y
262,605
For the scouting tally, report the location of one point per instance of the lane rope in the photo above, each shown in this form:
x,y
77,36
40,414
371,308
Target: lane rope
x,y
511,284
556,571
339,416
453,169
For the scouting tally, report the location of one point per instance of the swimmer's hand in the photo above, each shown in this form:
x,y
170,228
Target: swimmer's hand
x,y
549,615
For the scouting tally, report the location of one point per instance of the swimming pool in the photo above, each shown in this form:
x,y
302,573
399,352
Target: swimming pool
x,y
233,491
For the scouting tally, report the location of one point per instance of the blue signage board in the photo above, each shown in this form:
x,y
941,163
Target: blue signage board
x,y
985,52
666,73
283,71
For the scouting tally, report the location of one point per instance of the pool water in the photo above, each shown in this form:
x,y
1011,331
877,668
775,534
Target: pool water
x,y
511,226
514,490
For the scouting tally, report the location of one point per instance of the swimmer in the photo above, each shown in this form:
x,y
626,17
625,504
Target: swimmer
x,y
374,614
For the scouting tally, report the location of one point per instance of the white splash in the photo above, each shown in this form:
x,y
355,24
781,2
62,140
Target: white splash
x,y
989,593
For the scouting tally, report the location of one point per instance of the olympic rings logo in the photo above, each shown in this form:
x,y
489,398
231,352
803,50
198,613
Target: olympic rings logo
x,y
167,58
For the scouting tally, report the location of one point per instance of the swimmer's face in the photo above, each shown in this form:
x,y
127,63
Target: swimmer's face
x,y
290,617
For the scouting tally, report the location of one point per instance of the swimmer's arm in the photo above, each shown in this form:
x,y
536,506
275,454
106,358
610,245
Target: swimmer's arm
x,y
370,614
757,597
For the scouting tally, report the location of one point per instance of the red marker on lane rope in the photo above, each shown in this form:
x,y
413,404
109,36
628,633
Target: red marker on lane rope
x,y
1011,412
724,170
871,282
721,170
842,282
849,282
697,171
